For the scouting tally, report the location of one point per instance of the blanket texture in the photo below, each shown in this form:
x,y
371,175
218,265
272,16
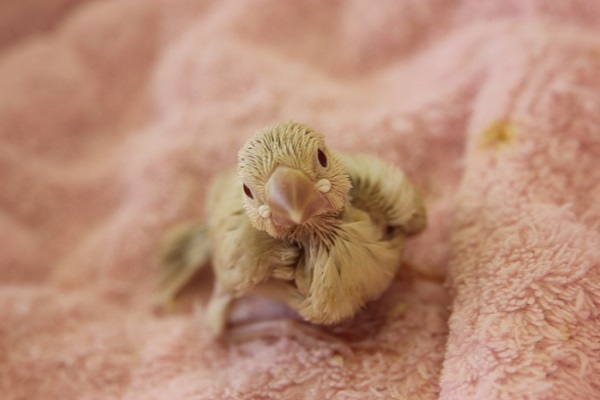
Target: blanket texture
x,y
115,115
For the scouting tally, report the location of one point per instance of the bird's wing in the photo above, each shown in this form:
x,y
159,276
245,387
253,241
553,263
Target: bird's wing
x,y
243,257
382,190
355,268
337,279
183,252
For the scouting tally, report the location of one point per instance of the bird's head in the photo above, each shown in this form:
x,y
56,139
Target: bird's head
x,y
291,181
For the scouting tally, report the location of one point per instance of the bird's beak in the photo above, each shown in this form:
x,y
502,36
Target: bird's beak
x,y
292,197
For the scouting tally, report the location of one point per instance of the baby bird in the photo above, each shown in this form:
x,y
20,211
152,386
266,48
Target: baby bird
x,y
321,231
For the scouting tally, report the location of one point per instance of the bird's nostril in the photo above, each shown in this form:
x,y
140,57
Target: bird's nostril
x,y
264,211
323,186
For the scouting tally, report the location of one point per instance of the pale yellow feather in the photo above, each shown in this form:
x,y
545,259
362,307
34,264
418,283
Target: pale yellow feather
x,y
328,267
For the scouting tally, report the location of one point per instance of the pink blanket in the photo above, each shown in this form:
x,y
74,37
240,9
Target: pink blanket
x,y
114,115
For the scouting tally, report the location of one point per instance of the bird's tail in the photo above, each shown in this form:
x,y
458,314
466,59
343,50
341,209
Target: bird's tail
x,y
184,251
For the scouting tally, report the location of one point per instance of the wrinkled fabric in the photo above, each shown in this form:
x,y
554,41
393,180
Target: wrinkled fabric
x,y
114,117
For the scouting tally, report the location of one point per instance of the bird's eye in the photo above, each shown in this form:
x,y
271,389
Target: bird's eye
x,y
248,191
322,158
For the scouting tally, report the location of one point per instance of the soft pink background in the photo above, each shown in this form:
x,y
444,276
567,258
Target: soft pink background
x,y
114,115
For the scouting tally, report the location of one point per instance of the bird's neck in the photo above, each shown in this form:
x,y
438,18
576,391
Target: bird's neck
x,y
321,229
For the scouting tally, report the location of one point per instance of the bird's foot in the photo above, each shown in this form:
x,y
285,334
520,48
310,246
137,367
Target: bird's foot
x,y
306,334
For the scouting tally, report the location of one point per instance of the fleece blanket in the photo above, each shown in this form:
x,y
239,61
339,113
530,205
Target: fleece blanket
x,y
115,115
